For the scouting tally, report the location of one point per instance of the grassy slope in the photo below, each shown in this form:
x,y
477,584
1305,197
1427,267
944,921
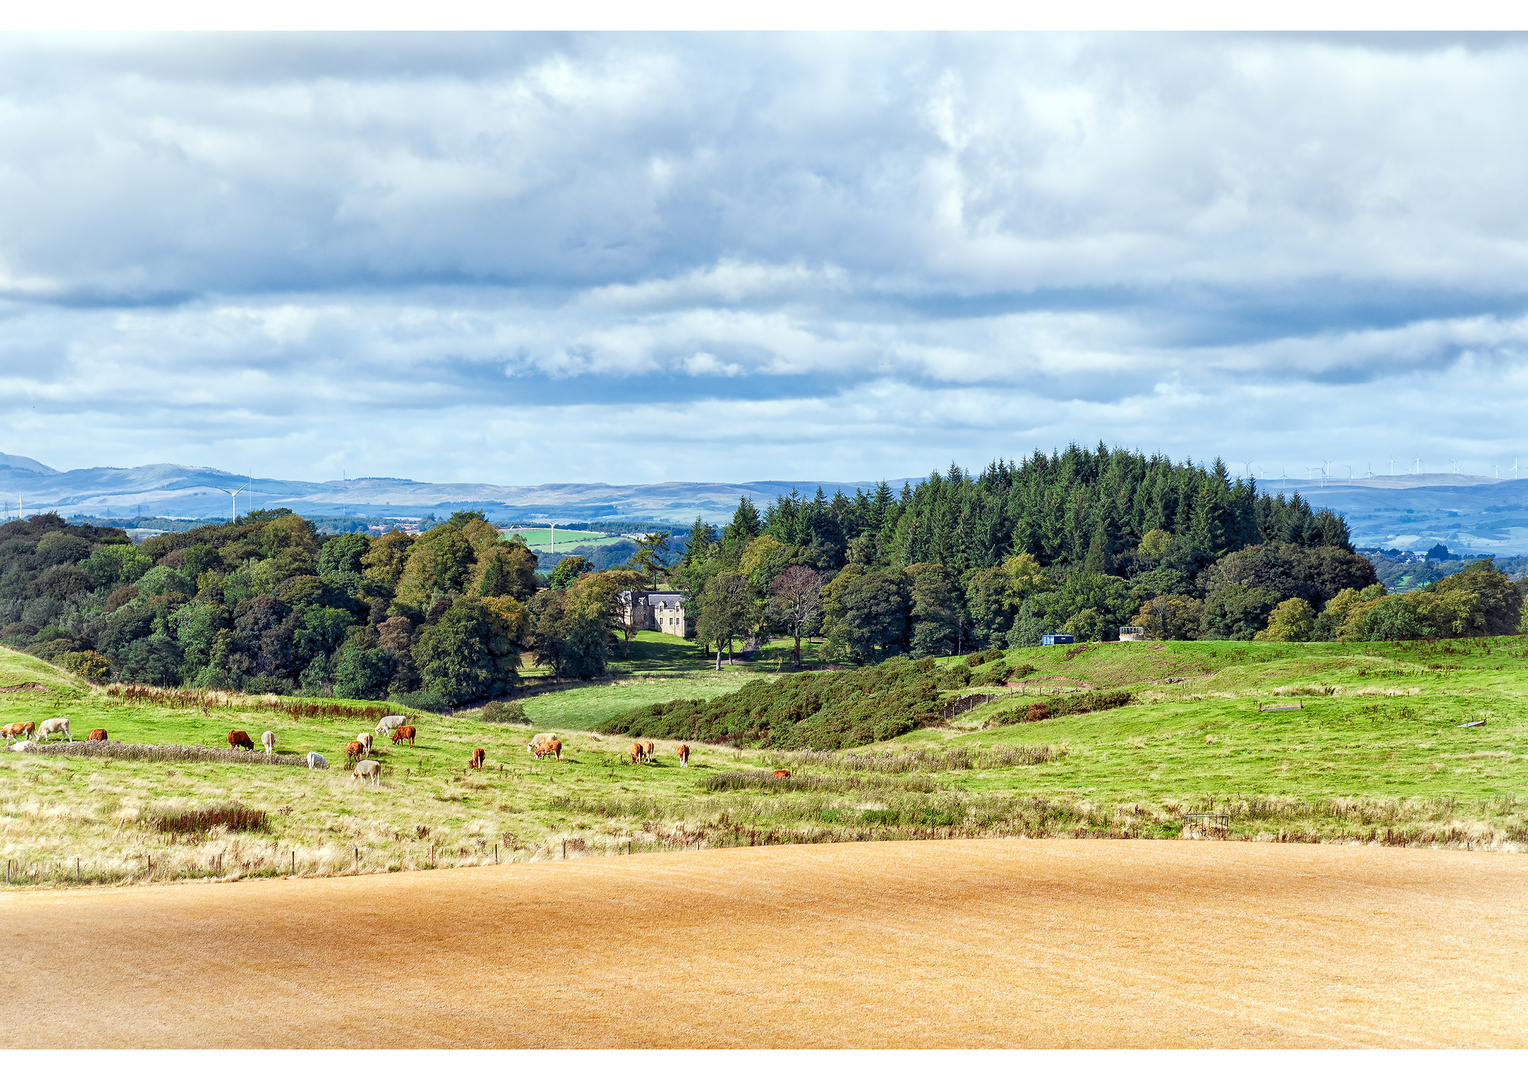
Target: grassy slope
x,y
1374,754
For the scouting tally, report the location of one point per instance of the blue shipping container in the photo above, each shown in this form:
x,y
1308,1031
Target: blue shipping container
x,y
1056,639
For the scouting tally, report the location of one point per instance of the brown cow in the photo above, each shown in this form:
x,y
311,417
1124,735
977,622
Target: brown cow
x,y
552,746
636,752
240,738
20,730
647,750
684,755
97,734
477,759
403,731
354,751
782,774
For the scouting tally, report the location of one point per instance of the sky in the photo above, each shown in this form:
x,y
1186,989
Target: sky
x,y
537,258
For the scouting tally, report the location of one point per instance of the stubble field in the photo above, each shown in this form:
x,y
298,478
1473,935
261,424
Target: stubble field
x,y
974,943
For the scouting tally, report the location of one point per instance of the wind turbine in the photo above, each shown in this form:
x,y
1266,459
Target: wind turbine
x,y
1514,468
1419,466
234,495
1455,463
1324,464
1392,466
1247,466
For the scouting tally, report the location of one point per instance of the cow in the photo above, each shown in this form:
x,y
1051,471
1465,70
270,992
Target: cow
x,y
21,730
553,749
240,738
782,774
684,755
368,770
58,725
402,732
647,750
316,760
387,723
534,746
477,759
364,738
354,751
636,752
268,740
97,734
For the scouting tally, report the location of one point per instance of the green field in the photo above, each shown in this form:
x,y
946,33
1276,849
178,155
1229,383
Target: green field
x,y
540,540
1374,754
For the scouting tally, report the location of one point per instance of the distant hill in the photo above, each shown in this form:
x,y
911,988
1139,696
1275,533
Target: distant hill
x,y
1411,512
179,491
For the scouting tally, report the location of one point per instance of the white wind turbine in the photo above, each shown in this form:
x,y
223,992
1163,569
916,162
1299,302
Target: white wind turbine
x,y
234,495
1392,466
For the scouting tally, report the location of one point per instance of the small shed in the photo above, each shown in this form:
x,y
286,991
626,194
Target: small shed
x,y
1056,639
1132,633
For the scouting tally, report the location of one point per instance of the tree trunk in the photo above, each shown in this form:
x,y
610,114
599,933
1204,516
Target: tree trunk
x,y
718,654
798,651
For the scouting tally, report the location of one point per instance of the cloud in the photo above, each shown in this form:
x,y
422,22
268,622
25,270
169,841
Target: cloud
x,y
545,257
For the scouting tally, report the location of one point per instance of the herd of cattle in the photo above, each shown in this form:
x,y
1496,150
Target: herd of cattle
x,y
357,750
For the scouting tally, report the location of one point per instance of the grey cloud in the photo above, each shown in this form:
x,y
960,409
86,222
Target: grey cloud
x,y
788,251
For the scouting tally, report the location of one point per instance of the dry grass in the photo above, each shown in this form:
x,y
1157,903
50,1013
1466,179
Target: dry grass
x,y
960,944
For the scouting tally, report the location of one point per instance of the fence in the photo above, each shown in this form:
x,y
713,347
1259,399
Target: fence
x,y
1223,820
967,702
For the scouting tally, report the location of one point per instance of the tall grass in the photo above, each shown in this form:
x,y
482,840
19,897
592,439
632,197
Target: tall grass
x,y
199,819
206,700
958,758
142,752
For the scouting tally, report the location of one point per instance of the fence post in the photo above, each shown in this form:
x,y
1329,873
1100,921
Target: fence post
x,y
564,849
76,869
294,862
358,859
496,854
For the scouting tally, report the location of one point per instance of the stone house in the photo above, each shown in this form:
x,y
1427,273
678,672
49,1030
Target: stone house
x,y
661,611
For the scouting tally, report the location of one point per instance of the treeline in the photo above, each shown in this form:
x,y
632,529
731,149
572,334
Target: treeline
x,y
270,605
1082,542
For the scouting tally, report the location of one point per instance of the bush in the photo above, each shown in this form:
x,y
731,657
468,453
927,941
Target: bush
x,y
1097,701
816,710
1037,711
88,665
269,684
504,712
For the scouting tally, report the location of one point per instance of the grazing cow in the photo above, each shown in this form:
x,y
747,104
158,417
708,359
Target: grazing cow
x,y
58,725
402,732
354,751
97,734
368,770
477,759
552,749
636,752
684,755
782,774
21,730
316,760
240,738
387,723
534,746
647,750
364,738
268,740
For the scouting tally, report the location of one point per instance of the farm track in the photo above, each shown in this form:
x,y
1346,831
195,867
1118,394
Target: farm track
x,y
979,943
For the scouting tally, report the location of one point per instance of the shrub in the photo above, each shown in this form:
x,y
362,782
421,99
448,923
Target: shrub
x,y
504,712
817,710
1097,701
1037,711
424,701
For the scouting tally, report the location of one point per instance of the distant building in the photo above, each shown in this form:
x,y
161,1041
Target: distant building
x,y
660,611
1132,633
1056,639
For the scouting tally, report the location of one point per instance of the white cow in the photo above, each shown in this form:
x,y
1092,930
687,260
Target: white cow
x,y
387,723
368,770
268,740
48,728
316,760
364,738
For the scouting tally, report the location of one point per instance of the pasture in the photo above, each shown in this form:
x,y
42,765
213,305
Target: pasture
x,y
1375,754
540,540
965,943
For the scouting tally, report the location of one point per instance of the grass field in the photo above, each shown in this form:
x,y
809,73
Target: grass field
x,y
541,539
1374,755
964,943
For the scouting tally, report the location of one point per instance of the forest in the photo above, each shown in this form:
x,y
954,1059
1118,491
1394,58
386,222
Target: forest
x,y
1082,542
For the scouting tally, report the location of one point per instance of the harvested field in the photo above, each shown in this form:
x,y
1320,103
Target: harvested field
x,y
962,943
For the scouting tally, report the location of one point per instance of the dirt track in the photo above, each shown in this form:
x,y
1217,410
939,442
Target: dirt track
x,y
960,943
